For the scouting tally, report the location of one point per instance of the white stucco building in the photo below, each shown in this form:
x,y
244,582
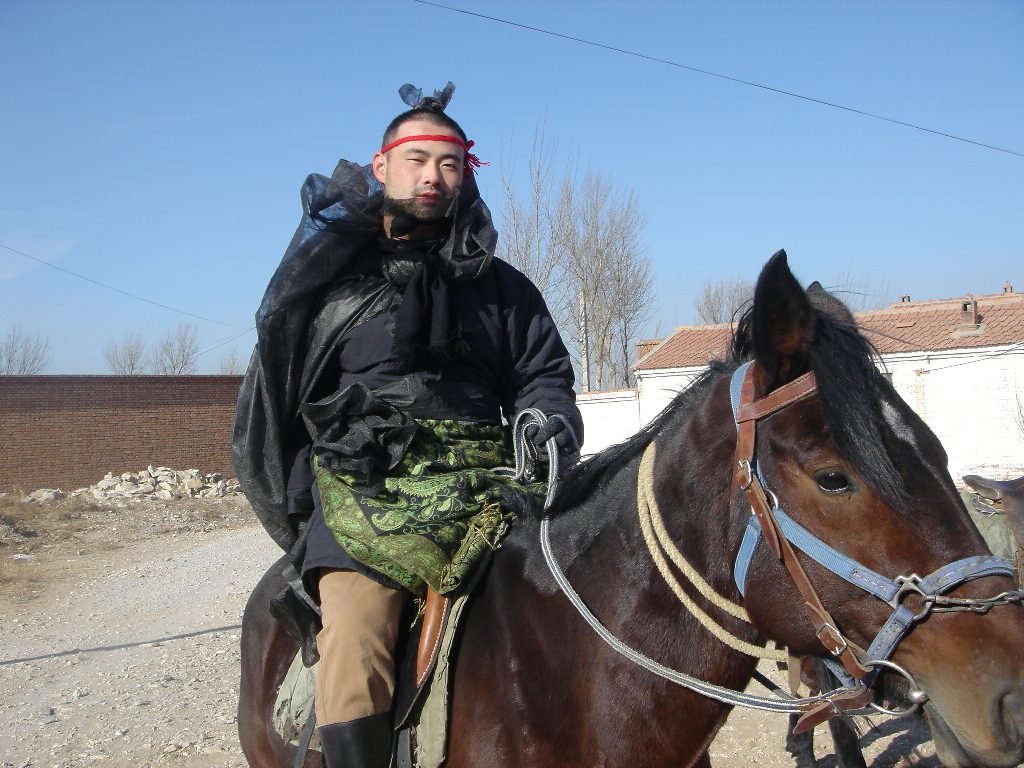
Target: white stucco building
x,y
959,363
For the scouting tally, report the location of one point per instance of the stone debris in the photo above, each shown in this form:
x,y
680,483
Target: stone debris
x,y
46,494
153,483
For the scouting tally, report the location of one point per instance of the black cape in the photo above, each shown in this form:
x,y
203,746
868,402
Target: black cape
x,y
296,333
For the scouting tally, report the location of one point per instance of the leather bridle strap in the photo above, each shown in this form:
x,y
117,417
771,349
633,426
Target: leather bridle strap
x,y
750,410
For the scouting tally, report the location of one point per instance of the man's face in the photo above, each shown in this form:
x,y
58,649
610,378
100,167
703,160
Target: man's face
x,y
420,177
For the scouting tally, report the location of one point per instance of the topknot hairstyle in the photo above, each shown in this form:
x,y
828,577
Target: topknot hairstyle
x,y
429,108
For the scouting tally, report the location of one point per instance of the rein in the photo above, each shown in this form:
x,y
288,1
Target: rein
x,y
781,533
712,691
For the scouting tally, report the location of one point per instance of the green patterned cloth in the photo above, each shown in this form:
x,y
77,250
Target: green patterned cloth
x,y
438,513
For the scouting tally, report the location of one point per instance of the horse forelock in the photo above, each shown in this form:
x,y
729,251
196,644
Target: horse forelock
x,y
860,407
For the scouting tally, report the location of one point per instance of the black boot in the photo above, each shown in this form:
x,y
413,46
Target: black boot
x,y
362,743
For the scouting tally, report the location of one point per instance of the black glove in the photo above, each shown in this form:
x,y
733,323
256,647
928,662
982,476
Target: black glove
x,y
556,427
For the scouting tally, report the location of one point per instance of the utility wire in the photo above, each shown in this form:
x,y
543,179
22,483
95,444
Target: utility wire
x,y
908,342
227,340
990,356
720,76
118,290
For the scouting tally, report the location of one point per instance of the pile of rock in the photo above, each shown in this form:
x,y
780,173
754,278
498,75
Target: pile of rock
x,y
162,483
153,483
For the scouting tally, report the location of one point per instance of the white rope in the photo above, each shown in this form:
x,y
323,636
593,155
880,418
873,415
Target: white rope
x,y
657,539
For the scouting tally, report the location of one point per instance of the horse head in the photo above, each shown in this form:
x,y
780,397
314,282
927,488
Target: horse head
x,y
852,465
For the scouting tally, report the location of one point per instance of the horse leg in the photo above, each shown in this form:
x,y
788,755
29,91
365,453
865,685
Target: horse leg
x,y
800,745
704,761
267,652
844,736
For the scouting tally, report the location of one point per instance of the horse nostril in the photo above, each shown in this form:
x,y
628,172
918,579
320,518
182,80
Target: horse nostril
x,y
1011,708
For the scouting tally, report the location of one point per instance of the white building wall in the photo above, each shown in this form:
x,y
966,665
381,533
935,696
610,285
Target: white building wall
x,y
657,388
608,418
969,398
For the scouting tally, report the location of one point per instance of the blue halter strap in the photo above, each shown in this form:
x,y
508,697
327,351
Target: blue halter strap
x,y
930,588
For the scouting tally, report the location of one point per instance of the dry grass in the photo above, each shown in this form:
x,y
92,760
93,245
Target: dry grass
x,y
27,526
39,539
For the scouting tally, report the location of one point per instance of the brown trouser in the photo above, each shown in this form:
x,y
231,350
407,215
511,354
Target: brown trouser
x,y
357,646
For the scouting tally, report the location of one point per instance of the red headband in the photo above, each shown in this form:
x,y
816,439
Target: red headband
x,y
472,161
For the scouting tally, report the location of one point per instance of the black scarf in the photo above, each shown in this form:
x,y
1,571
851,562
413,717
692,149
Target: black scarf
x,y
422,324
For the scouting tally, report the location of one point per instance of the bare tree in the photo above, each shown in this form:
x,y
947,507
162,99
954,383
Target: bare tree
x,y
230,364
22,354
526,232
126,357
631,281
580,241
722,300
860,294
606,276
176,352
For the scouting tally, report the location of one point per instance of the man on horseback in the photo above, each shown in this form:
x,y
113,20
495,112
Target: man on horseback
x,y
391,347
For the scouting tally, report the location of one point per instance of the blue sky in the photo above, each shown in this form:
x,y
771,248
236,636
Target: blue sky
x,y
160,147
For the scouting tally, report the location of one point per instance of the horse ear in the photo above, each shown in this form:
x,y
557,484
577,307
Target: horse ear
x,y
783,322
823,300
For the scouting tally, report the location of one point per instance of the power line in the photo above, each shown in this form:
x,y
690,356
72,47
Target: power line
x,y
720,76
908,342
118,290
227,340
1019,346
989,356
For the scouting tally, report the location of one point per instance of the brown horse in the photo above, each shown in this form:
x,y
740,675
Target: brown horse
x,y
848,460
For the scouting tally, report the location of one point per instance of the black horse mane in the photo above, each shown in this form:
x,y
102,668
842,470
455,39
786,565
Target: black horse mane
x,y
591,474
850,388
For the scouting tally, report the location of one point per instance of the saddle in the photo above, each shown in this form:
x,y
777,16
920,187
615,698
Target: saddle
x,y
424,687
996,490
997,509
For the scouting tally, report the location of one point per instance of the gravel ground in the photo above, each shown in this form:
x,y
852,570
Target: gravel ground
x,y
127,654
136,666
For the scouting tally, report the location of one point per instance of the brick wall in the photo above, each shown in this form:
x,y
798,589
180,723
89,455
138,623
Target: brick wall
x,y
68,431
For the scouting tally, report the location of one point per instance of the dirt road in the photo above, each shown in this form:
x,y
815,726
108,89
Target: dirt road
x,y
130,658
134,666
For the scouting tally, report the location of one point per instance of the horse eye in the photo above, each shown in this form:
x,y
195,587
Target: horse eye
x,y
833,481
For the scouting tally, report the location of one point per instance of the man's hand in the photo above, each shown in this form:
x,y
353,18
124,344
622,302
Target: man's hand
x,y
556,427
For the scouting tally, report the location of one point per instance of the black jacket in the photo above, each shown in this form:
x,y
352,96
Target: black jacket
x,y
324,324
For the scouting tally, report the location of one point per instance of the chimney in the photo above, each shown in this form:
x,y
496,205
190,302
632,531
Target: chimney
x,y
644,347
904,298
968,314
1007,288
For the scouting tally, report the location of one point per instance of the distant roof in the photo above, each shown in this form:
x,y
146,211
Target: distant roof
x,y
690,345
909,326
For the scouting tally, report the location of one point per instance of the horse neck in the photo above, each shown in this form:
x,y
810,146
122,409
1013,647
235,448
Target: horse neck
x,y
691,485
536,638
692,474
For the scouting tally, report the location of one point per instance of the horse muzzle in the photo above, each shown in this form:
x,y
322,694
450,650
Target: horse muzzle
x,y
999,745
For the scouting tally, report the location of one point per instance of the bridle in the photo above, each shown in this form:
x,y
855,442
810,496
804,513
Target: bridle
x,y
780,531
782,536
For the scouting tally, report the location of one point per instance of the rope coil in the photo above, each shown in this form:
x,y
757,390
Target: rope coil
x,y
659,544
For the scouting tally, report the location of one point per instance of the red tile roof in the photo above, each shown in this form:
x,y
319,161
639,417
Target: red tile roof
x,y
904,327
